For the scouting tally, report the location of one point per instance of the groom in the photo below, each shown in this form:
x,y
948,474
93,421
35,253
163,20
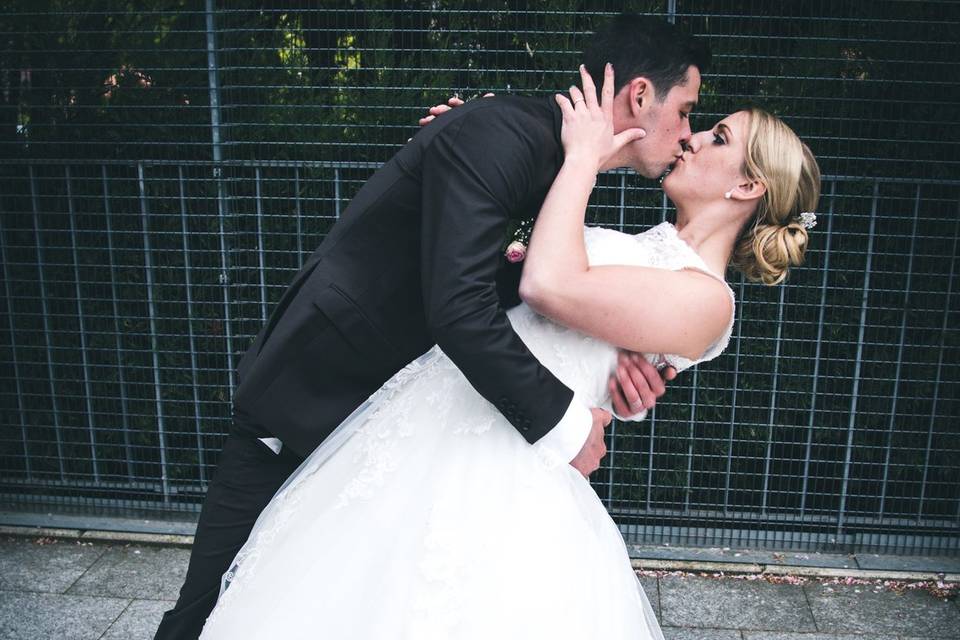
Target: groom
x,y
417,260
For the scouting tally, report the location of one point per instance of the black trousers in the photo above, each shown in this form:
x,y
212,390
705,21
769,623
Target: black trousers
x,y
248,475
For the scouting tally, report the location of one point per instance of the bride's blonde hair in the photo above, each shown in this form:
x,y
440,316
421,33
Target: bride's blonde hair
x,y
774,240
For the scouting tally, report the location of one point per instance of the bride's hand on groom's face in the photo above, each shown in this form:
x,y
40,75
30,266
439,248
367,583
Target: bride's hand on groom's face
x,y
588,133
636,384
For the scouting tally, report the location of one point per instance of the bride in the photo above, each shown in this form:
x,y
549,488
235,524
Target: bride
x,y
427,515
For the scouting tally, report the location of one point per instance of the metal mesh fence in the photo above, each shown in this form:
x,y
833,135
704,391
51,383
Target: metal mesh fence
x,y
164,172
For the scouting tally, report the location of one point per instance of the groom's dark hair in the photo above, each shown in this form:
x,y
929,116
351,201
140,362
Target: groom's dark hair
x,y
644,46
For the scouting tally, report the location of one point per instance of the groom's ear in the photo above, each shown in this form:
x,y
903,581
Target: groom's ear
x,y
639,95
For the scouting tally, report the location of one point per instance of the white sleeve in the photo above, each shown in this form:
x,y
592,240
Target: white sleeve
x,y
568,437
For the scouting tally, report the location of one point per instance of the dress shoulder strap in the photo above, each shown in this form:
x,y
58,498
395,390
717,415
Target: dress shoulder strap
x,y
690,259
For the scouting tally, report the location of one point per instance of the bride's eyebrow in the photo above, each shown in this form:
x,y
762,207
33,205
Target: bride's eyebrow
x,y
722,128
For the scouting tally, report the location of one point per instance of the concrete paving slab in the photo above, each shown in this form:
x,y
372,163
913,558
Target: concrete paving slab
x,y
185,526
866,574
139,621
908,563
54,565
796,559
50,616
734,604
681,633
161,539
747,556
695,565
140,572
652,589
773,635
38,532
861,609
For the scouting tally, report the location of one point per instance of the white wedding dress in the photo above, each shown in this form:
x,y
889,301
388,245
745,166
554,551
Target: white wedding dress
x,y
427,516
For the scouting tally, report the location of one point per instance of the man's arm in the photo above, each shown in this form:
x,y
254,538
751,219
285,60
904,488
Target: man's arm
x,y
636,384
475,173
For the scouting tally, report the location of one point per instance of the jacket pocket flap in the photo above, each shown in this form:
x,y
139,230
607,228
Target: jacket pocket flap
x,y
344,314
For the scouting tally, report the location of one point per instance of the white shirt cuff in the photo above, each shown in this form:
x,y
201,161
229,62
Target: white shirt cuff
x,y
637,417
273,444
568,437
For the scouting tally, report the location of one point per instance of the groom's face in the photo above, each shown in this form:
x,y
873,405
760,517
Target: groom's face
x,y
666,121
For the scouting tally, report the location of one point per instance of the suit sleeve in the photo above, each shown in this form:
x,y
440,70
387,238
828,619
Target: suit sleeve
x,y
474,174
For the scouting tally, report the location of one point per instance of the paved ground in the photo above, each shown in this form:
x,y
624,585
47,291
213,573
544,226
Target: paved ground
x,y
52,589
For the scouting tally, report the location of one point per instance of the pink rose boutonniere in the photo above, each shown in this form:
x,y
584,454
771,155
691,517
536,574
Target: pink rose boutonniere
x,y
516,251
518,235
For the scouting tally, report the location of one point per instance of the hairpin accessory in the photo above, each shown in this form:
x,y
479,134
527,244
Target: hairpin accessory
x,y
808,219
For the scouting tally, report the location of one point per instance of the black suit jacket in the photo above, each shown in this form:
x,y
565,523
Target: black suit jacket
x,y
414,261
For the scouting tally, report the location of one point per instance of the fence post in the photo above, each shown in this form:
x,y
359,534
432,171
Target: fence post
x,y
214,82
733,398
188,284
114,278
154,345
816,360
261,266
855,392
945,326
7,277
772,412
87,385
896,374
35,207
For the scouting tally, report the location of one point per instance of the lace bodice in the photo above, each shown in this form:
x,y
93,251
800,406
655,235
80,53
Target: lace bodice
x,y
584,363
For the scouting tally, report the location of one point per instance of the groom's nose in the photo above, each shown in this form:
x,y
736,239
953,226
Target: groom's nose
x,y
685,134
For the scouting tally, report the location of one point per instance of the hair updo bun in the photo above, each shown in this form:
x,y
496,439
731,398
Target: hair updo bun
x,y
776,240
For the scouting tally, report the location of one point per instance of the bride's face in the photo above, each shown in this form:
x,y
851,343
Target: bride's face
x,y
712,163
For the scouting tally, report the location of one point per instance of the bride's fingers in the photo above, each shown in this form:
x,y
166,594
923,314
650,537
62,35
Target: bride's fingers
x,y
620,404
589,88
626,137
606,99
576,96
565,107
455,101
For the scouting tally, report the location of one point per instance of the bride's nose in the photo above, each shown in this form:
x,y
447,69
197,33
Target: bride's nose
x,y
696,141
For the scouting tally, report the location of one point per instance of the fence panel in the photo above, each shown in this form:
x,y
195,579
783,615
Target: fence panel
x,y
163,175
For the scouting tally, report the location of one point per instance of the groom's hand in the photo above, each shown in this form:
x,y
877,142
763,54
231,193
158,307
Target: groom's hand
x,y
636,384
588,460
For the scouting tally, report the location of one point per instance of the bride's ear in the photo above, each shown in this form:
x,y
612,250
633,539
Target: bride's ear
x,y
749,190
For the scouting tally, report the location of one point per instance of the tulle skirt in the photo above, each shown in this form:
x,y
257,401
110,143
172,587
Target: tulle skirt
x,y
426,515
